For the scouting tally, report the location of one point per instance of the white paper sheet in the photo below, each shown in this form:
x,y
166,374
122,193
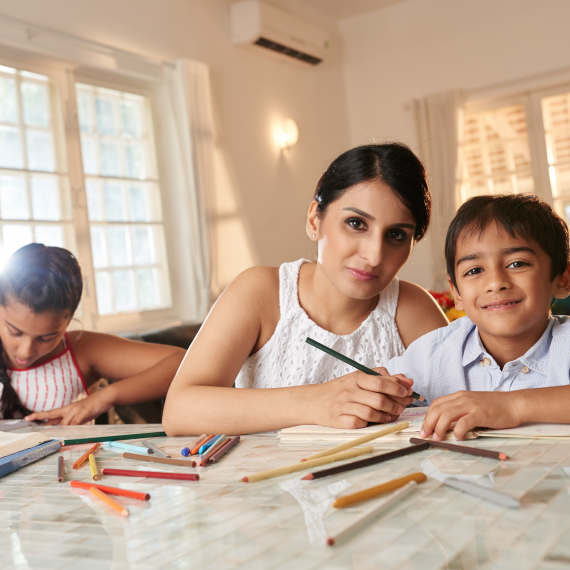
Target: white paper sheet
x,y
14,442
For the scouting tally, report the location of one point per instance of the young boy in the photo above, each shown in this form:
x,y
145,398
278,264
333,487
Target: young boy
x,y
508,361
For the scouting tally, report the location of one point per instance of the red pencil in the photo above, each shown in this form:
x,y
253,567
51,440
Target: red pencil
x,y
111,490
151,474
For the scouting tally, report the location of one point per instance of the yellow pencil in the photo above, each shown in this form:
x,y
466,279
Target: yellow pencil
x,y
307,464
95,475
358,441
348,500
111,502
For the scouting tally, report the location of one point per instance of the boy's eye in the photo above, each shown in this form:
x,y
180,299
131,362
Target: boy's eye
x,y
516,264
474,271
356,223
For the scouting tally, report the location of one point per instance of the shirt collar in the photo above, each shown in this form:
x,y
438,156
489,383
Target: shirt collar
x,y
473,349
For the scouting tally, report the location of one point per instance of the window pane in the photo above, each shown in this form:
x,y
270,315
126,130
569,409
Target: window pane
x,y
131,114
143,246
138,204
124,285
104,111
89,156
40,151
15,237
10,149
35,104
13,198
45,198
8,101
119,246
49,235
148,288
104,293
110,163
115,203
134,160
98,247
94,208
84,112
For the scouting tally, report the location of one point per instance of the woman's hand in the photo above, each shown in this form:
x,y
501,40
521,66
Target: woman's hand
x,y
497,410
354,400
77,413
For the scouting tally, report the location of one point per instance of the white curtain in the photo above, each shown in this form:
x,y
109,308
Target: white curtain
x,y
187,128
439,123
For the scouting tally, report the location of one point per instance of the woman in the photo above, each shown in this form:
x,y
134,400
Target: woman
x,y
370,207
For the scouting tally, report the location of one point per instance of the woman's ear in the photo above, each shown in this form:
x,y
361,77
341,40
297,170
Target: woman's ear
x,y
456,295
562,284
313,221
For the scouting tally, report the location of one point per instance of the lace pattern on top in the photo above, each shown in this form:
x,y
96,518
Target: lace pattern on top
x,y
287,360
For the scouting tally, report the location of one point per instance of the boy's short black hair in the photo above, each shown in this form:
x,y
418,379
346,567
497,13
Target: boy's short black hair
x,y
518,214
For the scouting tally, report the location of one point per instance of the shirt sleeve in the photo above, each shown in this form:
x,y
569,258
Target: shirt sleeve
x,y
417,363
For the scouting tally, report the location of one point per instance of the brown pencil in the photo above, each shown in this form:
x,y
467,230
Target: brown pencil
x,y
60,469
463,449
224,449
366,462
150,458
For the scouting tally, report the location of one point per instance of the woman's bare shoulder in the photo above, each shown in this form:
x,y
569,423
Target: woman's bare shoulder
x,y
418,313
260,284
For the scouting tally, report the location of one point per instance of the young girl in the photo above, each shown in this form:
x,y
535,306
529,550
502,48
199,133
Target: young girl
x,y
45,372
371,206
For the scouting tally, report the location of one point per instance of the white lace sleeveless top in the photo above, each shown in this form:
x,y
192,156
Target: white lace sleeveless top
x,y
287,360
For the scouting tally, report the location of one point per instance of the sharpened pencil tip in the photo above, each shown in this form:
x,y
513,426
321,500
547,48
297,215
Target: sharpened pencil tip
x,y
503,456
308,477
303,460
330,541
245,480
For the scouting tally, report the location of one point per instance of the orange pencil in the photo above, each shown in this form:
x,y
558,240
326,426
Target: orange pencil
x,y
195,450
85,456
111,490
111,502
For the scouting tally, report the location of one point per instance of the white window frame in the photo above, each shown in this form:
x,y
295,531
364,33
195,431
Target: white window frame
x,y
63,76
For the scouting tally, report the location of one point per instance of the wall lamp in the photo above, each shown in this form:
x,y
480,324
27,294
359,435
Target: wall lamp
x,y
287,134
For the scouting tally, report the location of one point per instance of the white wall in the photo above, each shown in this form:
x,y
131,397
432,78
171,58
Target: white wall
x,y
263,194
418,47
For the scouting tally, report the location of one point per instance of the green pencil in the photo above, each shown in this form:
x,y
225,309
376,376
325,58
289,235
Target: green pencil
x,y
113,437
351,362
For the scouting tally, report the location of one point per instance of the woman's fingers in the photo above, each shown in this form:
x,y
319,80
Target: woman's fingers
x,y
363,415
382,384
39,416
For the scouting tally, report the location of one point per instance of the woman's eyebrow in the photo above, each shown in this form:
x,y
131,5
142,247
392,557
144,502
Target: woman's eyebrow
x,y
361,213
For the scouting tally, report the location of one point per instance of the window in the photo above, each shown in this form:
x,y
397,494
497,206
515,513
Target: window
x,y
123,200
35,204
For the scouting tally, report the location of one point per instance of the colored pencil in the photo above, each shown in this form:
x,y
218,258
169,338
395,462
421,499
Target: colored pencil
x,y
208,443
347,500
366,462
60,469
85,456
187,450
307,464
359,441
94,471
164,460
463,449
155,450
111,502
215,447
129,447
197,447
111,490
151,474
113,438
224,449
353,363
372,512
483,492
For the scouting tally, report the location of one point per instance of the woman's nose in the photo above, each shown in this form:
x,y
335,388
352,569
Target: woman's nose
x,y
372,252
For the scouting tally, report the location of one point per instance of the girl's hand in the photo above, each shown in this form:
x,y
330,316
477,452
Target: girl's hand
x,y
497,410
77,413
355,399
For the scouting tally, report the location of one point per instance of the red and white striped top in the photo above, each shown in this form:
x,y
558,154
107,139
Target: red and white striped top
x,y
52,384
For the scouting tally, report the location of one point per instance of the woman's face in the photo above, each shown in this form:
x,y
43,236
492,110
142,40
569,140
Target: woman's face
x,y
364,238
27,336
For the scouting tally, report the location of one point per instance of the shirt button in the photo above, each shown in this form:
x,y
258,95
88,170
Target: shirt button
x,y
525,369
481,363
487,361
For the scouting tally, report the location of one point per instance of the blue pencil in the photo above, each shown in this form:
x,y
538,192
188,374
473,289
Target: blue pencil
x,y
132,448
208,444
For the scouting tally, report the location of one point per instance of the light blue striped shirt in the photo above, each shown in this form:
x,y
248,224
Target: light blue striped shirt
x,y
453,358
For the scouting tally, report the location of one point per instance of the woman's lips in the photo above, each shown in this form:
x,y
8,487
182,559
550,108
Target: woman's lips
x,y
362,275
20,362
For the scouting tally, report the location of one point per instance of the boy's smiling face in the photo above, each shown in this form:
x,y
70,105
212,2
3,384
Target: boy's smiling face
x,y
504,285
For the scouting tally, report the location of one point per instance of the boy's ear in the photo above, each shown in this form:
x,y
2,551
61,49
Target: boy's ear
x,y
562,284
456,295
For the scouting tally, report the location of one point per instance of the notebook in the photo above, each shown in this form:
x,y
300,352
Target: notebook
x,y
14,442
20,459
530,430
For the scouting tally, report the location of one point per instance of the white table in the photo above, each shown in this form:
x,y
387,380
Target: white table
x,y
219,523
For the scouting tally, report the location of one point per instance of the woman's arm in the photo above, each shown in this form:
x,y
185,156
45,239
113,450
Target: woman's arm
x,y
141,371
202,400
418,313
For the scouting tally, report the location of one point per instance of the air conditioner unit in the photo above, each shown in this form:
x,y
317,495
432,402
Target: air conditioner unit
x,y
258,24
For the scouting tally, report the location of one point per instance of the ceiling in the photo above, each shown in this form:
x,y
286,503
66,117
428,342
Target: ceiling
x,y
340,9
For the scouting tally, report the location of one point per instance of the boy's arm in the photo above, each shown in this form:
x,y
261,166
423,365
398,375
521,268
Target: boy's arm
x,y
496,410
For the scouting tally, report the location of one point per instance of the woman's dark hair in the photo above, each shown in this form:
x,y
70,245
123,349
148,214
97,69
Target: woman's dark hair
x,y
44,279
392,163
519,215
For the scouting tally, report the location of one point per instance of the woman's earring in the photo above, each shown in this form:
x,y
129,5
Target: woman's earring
x,y
312,236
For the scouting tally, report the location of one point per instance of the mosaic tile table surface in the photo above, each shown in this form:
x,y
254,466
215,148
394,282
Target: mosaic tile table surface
x,y
220,523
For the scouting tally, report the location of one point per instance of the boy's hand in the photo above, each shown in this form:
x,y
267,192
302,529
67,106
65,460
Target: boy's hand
x,y
497,410
355,399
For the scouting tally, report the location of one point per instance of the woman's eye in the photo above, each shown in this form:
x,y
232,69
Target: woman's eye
x,y
397,235
474,271
13,333
356,224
